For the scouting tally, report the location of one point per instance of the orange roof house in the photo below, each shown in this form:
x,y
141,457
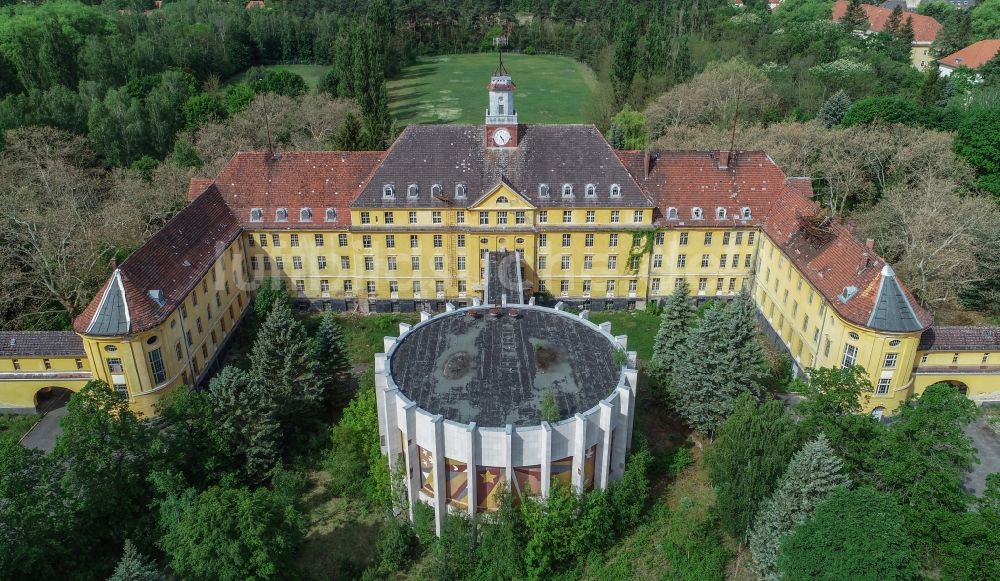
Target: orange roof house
x,y
971,57
925,28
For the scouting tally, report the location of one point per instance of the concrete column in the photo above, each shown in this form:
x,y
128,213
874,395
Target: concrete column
x,y
440,483
472,477
389,423
387,343
382,407
628,405
585,314
547,460
559,306
606,327
412,457
448,307
579,449
622,341
424,315
623,423
404,328
602,465
509,456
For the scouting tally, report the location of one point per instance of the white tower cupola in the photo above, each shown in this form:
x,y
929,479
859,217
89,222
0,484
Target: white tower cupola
x,y
501,115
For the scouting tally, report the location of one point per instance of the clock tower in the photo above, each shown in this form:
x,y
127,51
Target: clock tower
x,y
501,116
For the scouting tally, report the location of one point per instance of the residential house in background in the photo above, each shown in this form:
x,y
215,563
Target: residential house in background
x,y
971,57
925,29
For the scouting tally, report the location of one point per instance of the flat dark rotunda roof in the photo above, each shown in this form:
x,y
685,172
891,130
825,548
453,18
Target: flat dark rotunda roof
x,y
495,371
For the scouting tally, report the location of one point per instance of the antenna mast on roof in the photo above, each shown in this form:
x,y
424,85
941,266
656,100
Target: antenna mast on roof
x,y
500,42
267,126
736,116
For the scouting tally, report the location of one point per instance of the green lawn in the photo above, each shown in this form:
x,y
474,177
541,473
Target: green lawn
x,y
312,74
15,426
640,326
452,89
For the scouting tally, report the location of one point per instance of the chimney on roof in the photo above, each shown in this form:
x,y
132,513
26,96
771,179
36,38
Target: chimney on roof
x,y
724,159
866,261
870,244
114,263
646,159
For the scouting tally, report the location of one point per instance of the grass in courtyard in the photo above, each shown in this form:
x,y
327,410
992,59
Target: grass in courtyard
x,y
640,326
312,74
15,426
364,334
452,89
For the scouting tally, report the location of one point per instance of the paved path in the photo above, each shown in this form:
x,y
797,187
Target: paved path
x,y
988,445
43,435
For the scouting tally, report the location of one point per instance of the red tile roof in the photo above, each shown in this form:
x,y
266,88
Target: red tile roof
x,y
197,187
964,338
925,28
316,180
831,266
685,180
973,56
173,261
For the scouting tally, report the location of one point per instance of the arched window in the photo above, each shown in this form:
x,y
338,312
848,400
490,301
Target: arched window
x,y
388,191
543,190
256,215
567,190
616,191
461,190
671,213
720,213
745,213
591,190
412,191
436,190
697,213
305,215
281,215
331,214
502,200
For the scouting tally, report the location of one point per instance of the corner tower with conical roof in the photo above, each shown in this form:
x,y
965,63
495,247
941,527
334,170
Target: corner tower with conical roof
x,y
501,116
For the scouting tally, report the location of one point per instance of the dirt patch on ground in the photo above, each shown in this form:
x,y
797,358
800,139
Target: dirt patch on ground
x,y
546,357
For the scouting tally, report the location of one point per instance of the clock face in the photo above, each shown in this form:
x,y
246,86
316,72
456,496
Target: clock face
x,y
501,136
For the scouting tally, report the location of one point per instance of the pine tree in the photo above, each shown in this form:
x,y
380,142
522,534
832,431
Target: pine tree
x,y
682,66
932,90
834,108
281,364
894,23
246,423
679,314
855,17
751,452
904,38
956,33
349,136
625,63
329,355
343,62
134,566
813,473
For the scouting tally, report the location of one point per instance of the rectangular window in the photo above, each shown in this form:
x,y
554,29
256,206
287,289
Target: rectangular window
x,y
883,386
502,217
564,286
732,285
461,241
460,217
295,240
704,260
591,217
348,286
275,240
725,238
637,216
708,238
318,240
566,239
156,366
115,365
342,240
279,262
615,216
684,238
588,261
542,261
612,262
564,262
890,360
370,287
610,286
659,239
484,218
750,236
267,263
388,218
416,287
321,262
746,262
613,240
438,263
435,217
345,262
390,241
324,286
252,241
390,262
702,284
366,218
567,216
986,358
633,262
415,262
439,286
722,260
739,238
850,355
586,287
461,263
633,285
657,261
588,240
462,286
366,241
412,217
263,240
718,284
681,260
655,285
297,262
438,241
736,261
394,286
369,263
519,217
253,263
543,216
543,240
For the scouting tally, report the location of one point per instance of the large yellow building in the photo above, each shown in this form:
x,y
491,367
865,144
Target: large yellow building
x,y
410,228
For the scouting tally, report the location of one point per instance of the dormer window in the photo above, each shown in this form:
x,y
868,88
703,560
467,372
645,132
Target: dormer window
x,y
697,213
543,190
412,191
616,191
331,214
388,191
502,200
671,213
591,191
461,191
720,213
305,215
436,190
256,215
281,215
745,212
567,191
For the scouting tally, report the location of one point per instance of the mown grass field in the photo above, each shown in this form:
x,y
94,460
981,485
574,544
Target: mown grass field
x,y
452,89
